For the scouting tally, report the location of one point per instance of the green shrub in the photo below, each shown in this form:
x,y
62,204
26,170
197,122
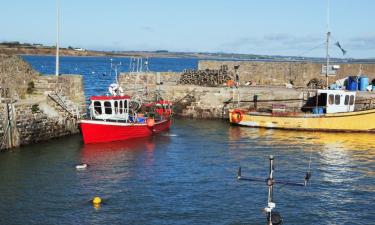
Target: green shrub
x,y
30,87
35,108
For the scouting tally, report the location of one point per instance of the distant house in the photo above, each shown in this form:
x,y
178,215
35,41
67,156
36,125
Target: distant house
x,y
79,49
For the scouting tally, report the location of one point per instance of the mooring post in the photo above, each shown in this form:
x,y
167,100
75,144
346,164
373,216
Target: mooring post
x,y
270,189
10,119
255,100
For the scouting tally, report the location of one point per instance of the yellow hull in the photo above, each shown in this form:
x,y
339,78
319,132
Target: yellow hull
x,y
361,121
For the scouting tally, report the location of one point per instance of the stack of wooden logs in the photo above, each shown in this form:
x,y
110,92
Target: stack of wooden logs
x,y
207,78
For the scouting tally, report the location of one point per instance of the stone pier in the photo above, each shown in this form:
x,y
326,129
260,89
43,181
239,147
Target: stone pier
x,y
28,111
281,73
215,102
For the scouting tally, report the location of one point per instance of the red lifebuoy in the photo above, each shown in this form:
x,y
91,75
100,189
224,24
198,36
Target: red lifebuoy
x,y
237,116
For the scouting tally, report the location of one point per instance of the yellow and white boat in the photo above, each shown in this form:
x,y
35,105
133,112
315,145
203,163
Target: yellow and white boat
x,y
334,111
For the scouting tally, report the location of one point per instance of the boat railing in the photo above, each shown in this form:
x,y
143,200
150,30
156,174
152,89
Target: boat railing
x,y
287,109
133,117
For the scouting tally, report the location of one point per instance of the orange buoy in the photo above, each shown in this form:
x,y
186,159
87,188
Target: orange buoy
x,y
230,83
237,116
150,122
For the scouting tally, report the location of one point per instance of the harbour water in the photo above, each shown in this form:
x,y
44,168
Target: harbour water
x,y
97,72
188,175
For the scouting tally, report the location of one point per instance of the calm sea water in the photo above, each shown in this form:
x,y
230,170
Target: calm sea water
x,y
97,72
188,176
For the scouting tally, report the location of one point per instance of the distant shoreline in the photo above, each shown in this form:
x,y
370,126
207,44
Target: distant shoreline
x,y
50,51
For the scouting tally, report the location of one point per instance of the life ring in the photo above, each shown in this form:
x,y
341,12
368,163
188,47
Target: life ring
x,y
150,122
237,116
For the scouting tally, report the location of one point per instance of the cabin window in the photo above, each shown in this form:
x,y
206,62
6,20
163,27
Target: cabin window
x,y
331,99
351,101
125,105
121,107
116,107
107,108
98,108
346,100
337,99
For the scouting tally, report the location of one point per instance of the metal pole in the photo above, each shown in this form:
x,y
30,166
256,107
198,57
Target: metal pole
x,y
327,55
328,36
270,187
57,72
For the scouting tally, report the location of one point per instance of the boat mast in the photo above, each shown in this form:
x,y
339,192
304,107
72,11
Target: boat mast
x,y
57,72
327,43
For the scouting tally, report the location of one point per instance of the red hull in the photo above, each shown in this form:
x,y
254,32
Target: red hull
x,y
100,131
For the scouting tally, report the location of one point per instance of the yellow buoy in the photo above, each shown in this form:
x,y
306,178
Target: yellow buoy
x,y
97,201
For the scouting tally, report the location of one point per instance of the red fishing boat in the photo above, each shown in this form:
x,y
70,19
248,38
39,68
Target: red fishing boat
x,y
114,118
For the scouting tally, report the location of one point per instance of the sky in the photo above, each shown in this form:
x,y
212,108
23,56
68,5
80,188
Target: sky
x,y
265,27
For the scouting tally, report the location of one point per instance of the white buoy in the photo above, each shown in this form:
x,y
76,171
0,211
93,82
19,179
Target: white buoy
x,y
81,166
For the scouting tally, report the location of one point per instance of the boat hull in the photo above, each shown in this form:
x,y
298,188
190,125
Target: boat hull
x,y
361,121
101,131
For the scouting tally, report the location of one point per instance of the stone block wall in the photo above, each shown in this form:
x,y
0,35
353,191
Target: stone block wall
x,y
131,80
32,124
215,102
70,86
35,116
279,73
205,102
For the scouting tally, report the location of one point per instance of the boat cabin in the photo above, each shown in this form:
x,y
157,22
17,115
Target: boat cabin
x,y
109,107
336,101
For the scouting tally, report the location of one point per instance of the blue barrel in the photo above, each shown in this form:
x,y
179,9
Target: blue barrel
x,y
352,83
318,110
373,87
363,83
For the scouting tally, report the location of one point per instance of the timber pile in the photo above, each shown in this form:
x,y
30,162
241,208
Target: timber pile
x,y
207,78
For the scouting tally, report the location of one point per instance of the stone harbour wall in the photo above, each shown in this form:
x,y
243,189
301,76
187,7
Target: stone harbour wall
x,y
202,102
71,86
35,116
39,122
279,73
39,118
214,102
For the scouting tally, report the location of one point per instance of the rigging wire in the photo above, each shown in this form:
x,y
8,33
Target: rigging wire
x,y
311,49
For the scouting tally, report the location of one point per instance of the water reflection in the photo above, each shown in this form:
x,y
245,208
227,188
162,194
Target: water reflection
x,y
330,141
118,152
113,165
336,153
